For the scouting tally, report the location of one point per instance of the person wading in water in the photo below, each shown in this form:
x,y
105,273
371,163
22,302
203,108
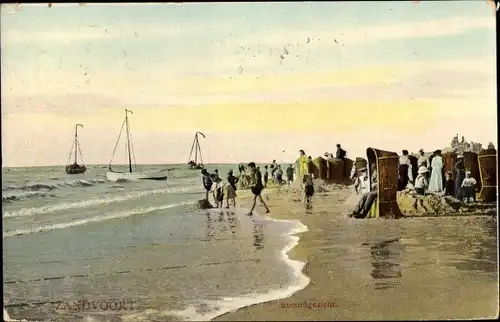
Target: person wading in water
x,y
207,182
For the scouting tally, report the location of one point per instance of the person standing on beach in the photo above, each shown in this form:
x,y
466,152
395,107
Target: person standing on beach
x,y
207,182
436,181
257,188
302,165
449,185
309,190
404,170
459,176
266,176
218,192
279,175
230,188
274,166
289,174
310,168
423,161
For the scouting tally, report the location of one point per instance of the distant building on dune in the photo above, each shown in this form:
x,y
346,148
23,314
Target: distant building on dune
x,y
463,146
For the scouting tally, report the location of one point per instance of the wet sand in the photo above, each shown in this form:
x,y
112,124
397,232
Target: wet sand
x,y
412,268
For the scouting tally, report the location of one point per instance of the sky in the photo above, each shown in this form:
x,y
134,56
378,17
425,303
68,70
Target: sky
x,y
260,80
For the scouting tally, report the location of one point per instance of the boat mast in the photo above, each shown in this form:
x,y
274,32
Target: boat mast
x,y
128,140
196,149
76,141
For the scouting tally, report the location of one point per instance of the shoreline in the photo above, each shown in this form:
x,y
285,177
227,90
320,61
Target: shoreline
x,y
328,277
299,281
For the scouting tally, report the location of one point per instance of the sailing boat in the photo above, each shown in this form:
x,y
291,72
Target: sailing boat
x,y
193,164
130,175
76,168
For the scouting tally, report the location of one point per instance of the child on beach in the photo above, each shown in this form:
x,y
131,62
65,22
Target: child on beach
x,y
289,174
218,193
469,187
207,182
309,190
257,188
230,188
421,183
449,185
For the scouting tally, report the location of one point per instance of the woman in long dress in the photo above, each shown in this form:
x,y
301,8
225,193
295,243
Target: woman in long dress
x,y
302,166
436,181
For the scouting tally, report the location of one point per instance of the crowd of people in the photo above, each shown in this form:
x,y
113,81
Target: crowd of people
x,y
428,179
431,177
256,179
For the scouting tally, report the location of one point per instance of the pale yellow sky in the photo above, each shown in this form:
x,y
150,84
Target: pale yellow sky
x,y
415,92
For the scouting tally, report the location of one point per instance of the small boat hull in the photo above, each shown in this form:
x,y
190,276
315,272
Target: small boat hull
x,y
196,167
75,169
134,176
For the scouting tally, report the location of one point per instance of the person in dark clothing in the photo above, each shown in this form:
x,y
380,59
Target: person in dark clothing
x,y
404,165
449,185
459,176
232,180
340,152
207,182
218,193
274,166
266,176
309,190
257,188
289,174
279,175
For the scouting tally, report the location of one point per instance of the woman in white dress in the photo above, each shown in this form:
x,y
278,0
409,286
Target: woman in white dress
x,y
436,181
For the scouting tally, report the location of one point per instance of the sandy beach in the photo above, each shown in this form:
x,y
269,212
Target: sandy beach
x,y
412,268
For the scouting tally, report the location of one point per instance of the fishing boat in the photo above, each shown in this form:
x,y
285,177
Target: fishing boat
x,y
193,163
76,168
131,175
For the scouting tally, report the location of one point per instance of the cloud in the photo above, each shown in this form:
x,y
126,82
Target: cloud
x,y
106,33
361,35
69,104
465,79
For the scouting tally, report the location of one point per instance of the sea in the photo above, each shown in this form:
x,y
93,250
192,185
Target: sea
x,y
79,247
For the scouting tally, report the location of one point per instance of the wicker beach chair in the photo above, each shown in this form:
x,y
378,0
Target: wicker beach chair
x,y
387,165
488,174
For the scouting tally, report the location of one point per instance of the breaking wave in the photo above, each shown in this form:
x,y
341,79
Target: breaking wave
x,y
91,202
118,215
58,185
24,195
